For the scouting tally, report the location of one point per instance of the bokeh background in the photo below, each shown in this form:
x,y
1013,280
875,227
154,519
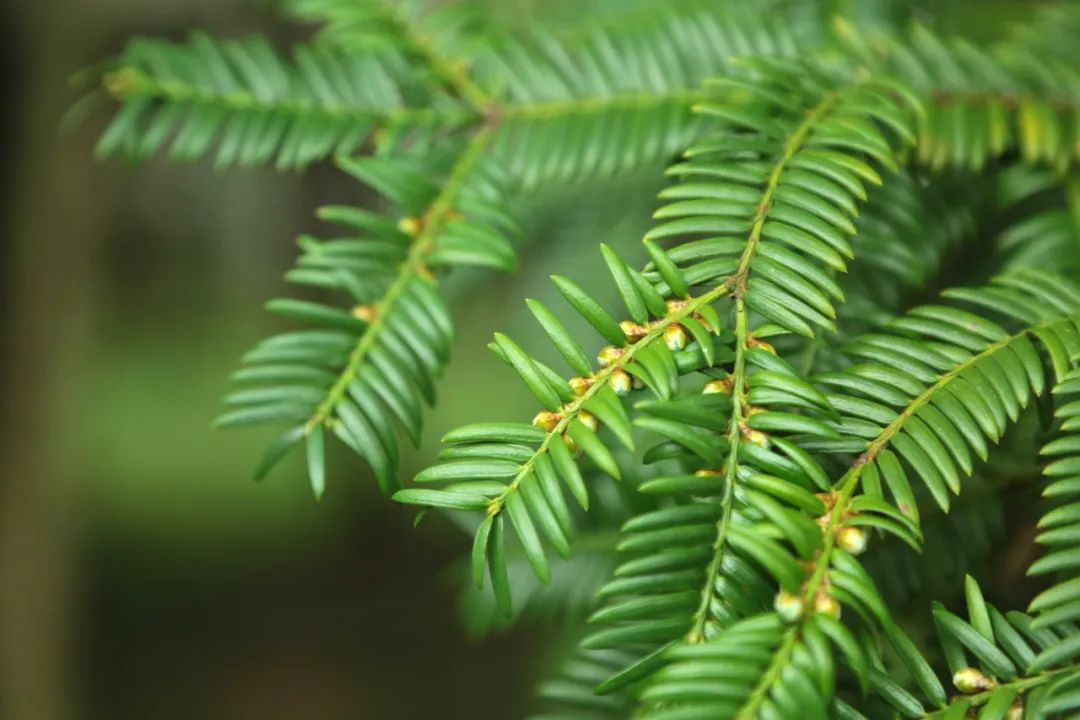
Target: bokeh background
x,y
142,573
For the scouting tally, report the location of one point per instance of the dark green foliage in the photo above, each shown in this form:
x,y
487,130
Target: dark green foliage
x,y
805,418
254,107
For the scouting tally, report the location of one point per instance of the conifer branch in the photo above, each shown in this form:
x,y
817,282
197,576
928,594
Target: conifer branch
x,y
737,425
430,223
740,535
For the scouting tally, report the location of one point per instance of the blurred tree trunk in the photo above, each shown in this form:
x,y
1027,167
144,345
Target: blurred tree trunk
x,y
54,229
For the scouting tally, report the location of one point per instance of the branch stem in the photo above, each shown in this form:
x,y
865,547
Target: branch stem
x,y
1020,684
128,82
452,72
593,105
572,409
737,283
413,267
846,486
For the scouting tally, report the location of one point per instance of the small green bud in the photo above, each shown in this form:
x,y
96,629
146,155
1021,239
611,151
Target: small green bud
x,y
621,382
755,436
851,539
789,606
767,347
675,337
971,680
589,420
632,330
546,420
409,225
609,355
826,605
717,386
120,83
674,306
579,385
366,313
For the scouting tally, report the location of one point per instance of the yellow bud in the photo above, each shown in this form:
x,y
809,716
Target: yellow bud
x,y
579,385
379,136
589,420
706,322
971,680
546,420
675,337
621,382
409,225
826,605
570,444
1016,711
843,27
789,606
755,436
364,312
706,471
717,386
851,539
632,330
674,306
609,355
120,82
767,347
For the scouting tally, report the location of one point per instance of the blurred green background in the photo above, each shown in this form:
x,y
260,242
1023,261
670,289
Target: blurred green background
x,y
142,573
